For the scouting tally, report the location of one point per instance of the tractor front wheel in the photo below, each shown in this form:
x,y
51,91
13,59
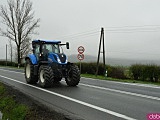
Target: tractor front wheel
x,y
45,76
73,76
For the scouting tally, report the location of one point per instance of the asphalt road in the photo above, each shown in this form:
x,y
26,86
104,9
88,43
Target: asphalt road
x,y
92,99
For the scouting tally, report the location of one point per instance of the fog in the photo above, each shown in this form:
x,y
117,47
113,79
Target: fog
x,y
132,27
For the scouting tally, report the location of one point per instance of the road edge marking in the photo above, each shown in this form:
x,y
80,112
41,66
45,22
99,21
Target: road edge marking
x,y
123,92
132,84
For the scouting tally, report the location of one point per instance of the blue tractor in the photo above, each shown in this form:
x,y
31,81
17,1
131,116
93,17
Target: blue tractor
x,y
48,64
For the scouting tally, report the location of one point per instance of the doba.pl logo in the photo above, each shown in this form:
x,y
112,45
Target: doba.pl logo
x,y
153,116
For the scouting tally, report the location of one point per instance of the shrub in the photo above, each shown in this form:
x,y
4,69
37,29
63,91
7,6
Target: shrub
x,y
116,72
151,72
145,72
90,68
136,71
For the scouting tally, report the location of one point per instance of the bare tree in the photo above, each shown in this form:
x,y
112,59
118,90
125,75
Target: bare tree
x,y
25,48
18,18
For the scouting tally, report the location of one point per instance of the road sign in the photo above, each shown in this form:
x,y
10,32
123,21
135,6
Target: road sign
x,y
81,49
80,56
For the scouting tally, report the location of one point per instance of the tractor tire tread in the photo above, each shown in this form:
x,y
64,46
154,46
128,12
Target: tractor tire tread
x,y
48,74
75,76
33,78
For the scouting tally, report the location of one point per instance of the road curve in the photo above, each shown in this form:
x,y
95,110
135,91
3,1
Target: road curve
x,y
91,99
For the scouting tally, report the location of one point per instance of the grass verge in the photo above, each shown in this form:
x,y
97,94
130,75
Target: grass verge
x,y
15,105
118,80
10,108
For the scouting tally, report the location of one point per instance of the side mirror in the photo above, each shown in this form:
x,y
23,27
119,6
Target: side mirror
x,y
67,45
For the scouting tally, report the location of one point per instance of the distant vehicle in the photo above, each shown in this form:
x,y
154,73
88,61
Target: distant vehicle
x,y
48,64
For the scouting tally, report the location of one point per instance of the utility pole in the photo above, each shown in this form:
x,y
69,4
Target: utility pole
x,y
101,41
6,54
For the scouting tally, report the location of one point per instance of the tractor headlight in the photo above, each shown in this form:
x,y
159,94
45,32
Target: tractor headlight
x,y
59,61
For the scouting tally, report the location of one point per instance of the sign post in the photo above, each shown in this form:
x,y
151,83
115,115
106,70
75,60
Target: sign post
x,y
80,56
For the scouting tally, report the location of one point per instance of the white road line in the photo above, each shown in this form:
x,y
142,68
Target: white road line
x,y
123,92
133,84
75,100
108,89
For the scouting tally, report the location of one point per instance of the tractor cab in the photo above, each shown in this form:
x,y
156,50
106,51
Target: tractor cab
x,y
46,50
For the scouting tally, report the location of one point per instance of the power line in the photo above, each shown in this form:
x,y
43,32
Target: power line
x,y
133,30
132,52
80,34
126,29
122,29
142,26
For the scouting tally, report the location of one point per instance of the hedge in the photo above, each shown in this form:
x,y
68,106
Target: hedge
x,y
3,63
116,72
149,72
90,68
112,71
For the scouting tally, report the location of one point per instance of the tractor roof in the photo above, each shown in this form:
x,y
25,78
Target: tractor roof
x,y
47,41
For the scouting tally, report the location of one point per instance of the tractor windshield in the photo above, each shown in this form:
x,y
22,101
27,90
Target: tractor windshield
x,y
51,48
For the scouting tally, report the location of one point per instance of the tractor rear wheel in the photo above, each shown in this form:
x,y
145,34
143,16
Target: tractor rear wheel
x,y
29,73
73,76
45,76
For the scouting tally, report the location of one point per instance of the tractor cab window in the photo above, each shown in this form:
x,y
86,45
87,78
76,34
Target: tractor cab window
x,y
56,48
45,49
52,48
37,51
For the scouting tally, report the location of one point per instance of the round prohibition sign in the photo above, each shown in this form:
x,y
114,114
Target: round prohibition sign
x,y
81,49
80,56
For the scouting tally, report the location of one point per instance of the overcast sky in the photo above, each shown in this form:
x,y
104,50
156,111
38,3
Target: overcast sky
x,y
132,27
